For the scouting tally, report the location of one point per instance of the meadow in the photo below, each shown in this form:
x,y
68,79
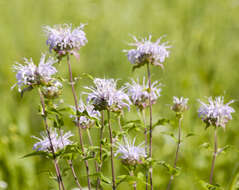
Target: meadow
x,y
203,62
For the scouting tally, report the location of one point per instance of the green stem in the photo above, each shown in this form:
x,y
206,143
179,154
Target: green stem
x,y
214,156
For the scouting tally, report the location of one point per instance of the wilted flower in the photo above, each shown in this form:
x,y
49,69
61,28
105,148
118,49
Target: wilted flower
x,y
63,39
105,95
89,115
147,52
58,141
139,94
216,113
179,104
53,90
30,74
129,153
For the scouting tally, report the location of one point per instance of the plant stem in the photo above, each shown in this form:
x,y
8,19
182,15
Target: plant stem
x,y
74,174
214,156
58,173
111,152
134,184
150,127
177,151
91,144
121,129
145,145
78,123
101,138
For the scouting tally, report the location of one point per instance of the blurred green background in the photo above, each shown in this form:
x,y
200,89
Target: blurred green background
x,y
204,62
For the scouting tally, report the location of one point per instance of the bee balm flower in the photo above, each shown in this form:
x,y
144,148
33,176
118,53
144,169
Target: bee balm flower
x,y
147,52
129,153
105,95
179,104
64,39
216,113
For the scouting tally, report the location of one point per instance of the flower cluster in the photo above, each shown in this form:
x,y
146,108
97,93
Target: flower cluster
x,y
53,90
139,94
105,95
179,104
63,39
129,153
89,115
58,141
216,113
30,74
147,52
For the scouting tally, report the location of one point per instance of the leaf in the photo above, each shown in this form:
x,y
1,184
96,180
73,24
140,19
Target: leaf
x,y
171,170
208,186
37,153
190,135
121,179
161,121
235,182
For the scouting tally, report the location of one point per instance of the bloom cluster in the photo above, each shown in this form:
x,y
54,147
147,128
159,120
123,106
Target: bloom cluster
x,y
63,39
216,113
58,141
139,94
30,74
147,52
179,104
129,153
104,95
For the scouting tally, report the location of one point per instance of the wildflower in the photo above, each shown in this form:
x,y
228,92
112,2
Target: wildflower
x,y
64,39
53,90
3,184
30,74
105,95
58,141
89,115
179,104
216,113
139,94
147,52
129,153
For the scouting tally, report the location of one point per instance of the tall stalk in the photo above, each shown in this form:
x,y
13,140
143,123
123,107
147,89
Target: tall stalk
x,y
131,173
58,173
177,151
150,127
214,156
145,145
111,152
101,138
78,123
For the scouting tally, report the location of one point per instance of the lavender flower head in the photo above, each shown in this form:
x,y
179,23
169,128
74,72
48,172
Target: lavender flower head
x,y
104,95
216,113
89,115
53,90
58,141
139,94
179,104
29,74
64,39
129,153
147,52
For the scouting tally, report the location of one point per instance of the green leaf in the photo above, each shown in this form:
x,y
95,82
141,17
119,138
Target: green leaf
x,y
161,121
208,186
235,182
171,170
37,153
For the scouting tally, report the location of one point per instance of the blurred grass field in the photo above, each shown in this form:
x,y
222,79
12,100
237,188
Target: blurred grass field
x,y
204,62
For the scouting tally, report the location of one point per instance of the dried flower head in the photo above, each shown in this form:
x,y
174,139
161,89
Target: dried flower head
x,y
179,104
89,115
64,39
147,52
53,90
216,113
129,153
58,141
30,74
104,95
139,94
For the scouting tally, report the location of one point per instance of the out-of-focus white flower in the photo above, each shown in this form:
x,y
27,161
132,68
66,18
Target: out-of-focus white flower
x,y
30,74
3,185
90,116
129,153
105,95
179,104
139,94
58,141
63,38
216,113
148,52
